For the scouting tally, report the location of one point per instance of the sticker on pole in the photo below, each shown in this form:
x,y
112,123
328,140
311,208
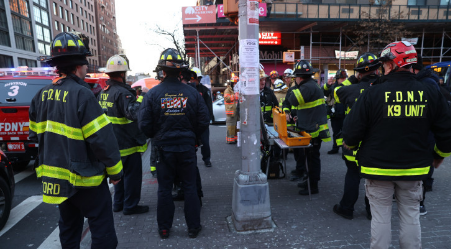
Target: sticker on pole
x,y
249,56
250,81
252,12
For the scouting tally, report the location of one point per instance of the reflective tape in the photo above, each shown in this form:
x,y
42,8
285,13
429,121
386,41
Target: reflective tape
x,y
114,170
95,125
57,128
119,121
312,104
395,172
129,151
53,199
440,153
140,99
339,141
299,97
64,174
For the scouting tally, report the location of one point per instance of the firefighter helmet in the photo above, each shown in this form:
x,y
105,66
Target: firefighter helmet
x,y
367,62
303,67
402,53
279,85
170,58
341,73
116,63
66,46
288,72
197,71
274,74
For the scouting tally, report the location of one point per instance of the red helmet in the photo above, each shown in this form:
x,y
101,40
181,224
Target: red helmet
x,y
274,74
402,53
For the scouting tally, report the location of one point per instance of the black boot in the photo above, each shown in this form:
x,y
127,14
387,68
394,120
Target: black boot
x,y
333,151
342,213
313,189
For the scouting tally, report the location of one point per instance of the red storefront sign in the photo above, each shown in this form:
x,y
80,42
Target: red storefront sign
x,y
270,38
199,14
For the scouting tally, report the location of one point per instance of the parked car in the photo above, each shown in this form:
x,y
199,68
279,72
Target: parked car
x,y
7,186
219,111
18,86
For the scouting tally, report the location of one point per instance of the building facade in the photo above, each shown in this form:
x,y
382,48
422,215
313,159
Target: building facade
x,y
25,32
105,14
77,15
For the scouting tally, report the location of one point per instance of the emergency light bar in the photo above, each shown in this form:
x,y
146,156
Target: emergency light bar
x,y
27,71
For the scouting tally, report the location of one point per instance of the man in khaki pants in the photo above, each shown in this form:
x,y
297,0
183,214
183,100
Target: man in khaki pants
x,y
389,124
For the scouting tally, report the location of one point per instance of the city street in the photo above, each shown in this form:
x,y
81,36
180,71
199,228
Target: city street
x,y
300,223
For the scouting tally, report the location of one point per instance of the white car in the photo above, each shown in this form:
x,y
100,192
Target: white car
x,y
219,111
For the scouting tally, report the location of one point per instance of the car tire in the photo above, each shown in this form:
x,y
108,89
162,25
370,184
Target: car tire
x,y
5,202
19,166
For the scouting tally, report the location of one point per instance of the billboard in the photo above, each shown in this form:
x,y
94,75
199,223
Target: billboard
x,y
270,38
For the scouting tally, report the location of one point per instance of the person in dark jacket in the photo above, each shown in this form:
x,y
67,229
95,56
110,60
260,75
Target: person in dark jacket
x,y
77,150
174,114
389,124
206,95
366,74
311,118
336,111
119,102
268,99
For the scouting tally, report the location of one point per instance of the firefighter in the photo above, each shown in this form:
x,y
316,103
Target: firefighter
x,y
206,95
280,90
77,150
118,101
391,121
366,73
335,110
312,118
273,76
267,99
174,114
287,77
231,113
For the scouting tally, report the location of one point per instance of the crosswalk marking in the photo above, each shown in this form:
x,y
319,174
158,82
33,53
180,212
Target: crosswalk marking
x,y
22,175
21,211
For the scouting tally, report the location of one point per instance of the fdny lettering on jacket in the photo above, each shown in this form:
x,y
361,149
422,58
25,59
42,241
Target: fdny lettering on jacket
x,y
51,188
55,95
103,103
409,104
174,104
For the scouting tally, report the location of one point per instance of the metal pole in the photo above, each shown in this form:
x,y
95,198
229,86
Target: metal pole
x,y
422,43
250,203
198,50
311,40
339,58
368,48
441,48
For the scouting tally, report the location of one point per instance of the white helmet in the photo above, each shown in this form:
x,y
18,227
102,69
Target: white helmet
x,y
197,71
116,63
288,71
279,85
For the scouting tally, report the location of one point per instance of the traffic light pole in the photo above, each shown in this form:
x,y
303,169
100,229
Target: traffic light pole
x,y
250,205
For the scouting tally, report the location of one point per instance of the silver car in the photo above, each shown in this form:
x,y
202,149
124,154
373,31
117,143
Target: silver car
x,y
219,115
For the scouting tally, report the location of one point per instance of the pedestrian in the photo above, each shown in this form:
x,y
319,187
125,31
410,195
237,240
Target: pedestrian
x,y
174,114
366,73
206,95
311,118
119,102
391,121
230,99
77,148
335,111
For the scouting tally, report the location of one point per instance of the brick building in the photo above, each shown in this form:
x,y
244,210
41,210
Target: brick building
x,y
77,15
105,14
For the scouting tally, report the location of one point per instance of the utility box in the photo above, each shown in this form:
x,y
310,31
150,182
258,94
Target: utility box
x,y
231,7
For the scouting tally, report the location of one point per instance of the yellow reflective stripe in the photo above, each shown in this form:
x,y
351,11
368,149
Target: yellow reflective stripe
x,y
95,125
57,128
350,158
129,151
299,97
395,172
337,100
266,108
140,99
294,107
351,147
346,83
339,141
321,128
153,168
328,139
325,87
120,121
284,110
72,178
440,153
114,170
32,125
53,199
312,104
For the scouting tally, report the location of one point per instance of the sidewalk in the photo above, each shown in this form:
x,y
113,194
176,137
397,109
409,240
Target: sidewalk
x,y
301,223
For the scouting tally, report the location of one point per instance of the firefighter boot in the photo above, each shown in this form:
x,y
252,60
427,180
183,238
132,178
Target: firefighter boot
x,y
313,189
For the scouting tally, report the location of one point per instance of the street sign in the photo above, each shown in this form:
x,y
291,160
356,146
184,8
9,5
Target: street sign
x,y
346,55
199,14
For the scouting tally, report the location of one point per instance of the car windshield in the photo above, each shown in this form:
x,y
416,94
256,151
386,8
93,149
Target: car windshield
x,y
18,91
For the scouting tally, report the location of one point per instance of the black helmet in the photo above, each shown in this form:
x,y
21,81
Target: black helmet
x,y
303,67
171,58
67,47
367,62
341,73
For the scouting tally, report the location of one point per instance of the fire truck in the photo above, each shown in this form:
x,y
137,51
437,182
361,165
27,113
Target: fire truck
x,y
18,86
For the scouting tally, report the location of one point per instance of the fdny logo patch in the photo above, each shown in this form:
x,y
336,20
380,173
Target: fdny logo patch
x,y
174,105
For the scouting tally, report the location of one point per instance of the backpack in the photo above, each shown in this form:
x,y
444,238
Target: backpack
x,y
274,170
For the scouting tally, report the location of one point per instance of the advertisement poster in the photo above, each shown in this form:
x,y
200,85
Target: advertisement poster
x,y
249,53
252,12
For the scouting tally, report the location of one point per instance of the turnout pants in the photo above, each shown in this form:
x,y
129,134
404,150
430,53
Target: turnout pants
x,y
231,129
205,148
94,204
127,193
337,126
313,160
184,165
351,188
408,196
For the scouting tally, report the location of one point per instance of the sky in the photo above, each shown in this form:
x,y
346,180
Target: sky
x,y
136,18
